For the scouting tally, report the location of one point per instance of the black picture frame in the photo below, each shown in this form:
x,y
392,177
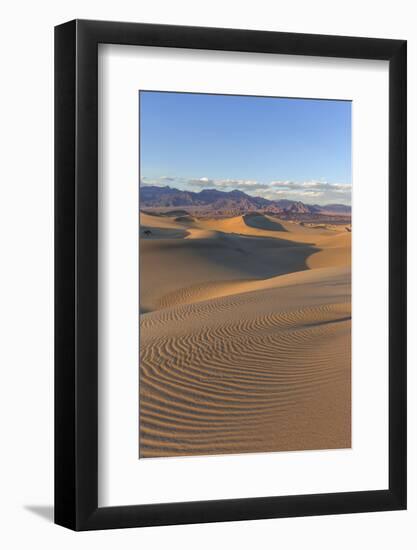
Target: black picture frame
x,y
76,272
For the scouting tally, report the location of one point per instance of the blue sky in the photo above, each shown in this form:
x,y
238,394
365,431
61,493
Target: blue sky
x,y
271,147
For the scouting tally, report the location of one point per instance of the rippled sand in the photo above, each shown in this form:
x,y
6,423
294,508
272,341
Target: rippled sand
x,y
245,336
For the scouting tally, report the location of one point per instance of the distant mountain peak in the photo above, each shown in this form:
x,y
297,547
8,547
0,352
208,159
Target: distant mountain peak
x,y
236,200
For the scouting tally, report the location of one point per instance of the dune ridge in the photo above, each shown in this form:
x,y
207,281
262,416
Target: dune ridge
x,y
245,339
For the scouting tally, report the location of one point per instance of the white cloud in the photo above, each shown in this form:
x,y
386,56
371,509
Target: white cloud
x,y
312,193
227,184
322,185
277,194
201,182
151,181
323,191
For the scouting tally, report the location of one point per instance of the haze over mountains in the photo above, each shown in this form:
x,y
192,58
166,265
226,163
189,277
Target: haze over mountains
x,y
161,197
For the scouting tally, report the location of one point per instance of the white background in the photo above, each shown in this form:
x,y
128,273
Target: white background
x,y
26,300
123,479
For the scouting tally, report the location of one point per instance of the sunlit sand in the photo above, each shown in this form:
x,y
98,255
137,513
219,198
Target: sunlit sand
x,y
244,335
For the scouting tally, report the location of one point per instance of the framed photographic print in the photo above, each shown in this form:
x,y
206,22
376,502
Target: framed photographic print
x,y
230,275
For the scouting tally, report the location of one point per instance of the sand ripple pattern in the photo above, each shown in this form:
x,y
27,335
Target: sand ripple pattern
x,y
246,373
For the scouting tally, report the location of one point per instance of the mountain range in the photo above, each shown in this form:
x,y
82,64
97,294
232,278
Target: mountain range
x,y
154,196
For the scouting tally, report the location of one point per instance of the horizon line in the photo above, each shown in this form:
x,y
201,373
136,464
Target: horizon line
x,y
243,192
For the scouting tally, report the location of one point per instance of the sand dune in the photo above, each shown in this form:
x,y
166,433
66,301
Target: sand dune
x,y
245,336
262,221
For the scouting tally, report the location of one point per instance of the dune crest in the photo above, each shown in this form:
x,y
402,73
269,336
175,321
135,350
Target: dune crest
x,y
245,343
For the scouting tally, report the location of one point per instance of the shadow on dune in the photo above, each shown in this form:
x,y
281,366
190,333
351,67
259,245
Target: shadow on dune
x,y
235,256
185,219
153,233
259,221
169,262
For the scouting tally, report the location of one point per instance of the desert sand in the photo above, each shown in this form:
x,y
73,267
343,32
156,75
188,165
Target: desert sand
x,y
244,335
